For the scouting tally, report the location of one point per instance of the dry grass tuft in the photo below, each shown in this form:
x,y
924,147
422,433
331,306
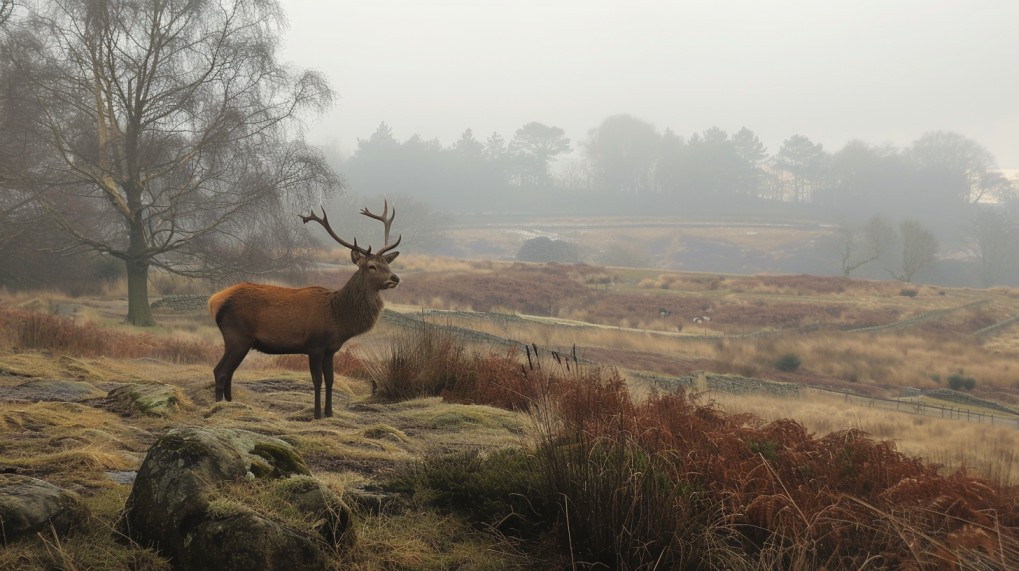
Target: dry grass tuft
x,y
32,330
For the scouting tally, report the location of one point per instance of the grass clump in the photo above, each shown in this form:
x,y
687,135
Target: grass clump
x,y
501,489
432,361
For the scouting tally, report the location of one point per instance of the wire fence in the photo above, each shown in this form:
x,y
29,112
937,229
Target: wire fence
x,y
916,405
912,403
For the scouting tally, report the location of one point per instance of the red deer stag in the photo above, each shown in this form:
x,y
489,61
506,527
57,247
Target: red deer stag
x,y
312,320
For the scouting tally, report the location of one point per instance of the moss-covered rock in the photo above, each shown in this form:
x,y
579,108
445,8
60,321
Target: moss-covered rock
x,y
28,505
246,541
178,504
152,399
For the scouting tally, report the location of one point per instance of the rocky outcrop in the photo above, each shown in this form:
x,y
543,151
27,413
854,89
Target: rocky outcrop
x,y
204,498
28,505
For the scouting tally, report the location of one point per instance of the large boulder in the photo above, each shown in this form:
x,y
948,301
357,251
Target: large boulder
x,y
215,498
28,505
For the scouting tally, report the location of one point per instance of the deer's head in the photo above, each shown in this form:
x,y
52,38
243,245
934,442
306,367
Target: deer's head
x,y
374,266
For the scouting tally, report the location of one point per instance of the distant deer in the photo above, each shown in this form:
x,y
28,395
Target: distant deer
x,y
312,320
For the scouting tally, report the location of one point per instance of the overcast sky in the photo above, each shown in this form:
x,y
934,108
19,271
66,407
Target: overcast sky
x,y
882,71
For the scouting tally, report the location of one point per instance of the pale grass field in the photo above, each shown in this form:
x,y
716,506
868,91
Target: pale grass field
x,y
883,362
988,451
99,441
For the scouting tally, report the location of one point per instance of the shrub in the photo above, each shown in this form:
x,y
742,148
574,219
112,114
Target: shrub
x,y
908,292
542,249
421,362
959,382
789,362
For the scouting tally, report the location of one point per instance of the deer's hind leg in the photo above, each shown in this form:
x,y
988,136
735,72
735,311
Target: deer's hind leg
x,y
327,372
224,371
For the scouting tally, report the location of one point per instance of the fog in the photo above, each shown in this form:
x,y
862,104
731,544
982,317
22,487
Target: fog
x,y
878,71
879,137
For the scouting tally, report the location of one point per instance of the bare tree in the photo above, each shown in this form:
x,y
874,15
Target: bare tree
x,y
179,118
860,246
535,145
6,9
919,250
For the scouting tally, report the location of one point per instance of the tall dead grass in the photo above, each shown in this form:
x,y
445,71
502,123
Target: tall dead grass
x,y
32,330
990,452
666,482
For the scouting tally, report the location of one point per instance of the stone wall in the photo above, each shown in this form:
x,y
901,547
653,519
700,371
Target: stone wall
x,y
182,303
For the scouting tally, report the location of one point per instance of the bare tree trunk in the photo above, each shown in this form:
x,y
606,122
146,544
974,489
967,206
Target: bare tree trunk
x,y
138,311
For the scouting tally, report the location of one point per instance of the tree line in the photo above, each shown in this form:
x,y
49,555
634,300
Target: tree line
x,y
942,189
625,162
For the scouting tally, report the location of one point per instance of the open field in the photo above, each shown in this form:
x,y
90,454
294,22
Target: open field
x,y
879,340
663,243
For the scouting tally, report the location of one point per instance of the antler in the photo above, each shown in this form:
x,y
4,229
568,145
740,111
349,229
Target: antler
x,y
385,218
324,221
387,221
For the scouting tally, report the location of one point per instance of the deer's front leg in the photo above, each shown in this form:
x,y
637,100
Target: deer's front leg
x,y
315,364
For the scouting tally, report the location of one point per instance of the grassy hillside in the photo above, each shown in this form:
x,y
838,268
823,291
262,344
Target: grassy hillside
x,y
632,335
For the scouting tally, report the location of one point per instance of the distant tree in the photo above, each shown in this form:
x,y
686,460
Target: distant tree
x,y
991,235
383,166
471,177
865,179
805,162
495,147
534,146
752,154
919,250
180,121
713,168
957,170
623,152
670,170
381,141
861,245
497,154
469,147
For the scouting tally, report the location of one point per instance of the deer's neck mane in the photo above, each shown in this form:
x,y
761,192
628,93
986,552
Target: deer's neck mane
x,y
357,306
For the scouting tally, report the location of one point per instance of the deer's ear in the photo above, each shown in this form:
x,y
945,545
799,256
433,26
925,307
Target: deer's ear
x,y
355,256
390,257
